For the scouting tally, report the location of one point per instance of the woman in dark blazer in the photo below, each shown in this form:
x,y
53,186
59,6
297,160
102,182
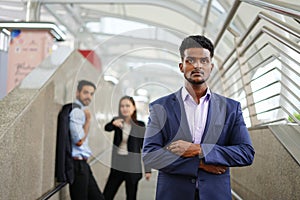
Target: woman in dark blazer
x,y
126,153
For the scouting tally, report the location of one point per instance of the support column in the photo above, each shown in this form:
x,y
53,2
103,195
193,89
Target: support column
x,y
32,11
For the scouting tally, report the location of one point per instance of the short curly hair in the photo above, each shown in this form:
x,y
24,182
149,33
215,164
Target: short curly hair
x,y
196,41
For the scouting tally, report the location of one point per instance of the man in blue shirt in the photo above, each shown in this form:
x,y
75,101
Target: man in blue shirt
x,y
84,186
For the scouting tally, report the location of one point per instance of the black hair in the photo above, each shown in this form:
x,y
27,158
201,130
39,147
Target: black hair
x,y
133,116
196,41
84,83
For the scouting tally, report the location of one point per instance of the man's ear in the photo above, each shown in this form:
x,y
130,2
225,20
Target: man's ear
x,y
180,67
77,93
212,66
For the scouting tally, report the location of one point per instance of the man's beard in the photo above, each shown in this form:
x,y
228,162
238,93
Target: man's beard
x,y
195,82
83,102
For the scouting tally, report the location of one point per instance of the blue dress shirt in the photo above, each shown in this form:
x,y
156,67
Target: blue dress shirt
x,y
77,120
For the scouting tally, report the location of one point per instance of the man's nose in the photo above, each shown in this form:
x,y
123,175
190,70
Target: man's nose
x,y
90,96
197,63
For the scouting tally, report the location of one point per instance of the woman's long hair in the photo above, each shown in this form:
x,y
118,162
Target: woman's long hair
x,y
133,116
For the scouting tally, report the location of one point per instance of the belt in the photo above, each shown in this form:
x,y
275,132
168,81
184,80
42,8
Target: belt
x,y
80,158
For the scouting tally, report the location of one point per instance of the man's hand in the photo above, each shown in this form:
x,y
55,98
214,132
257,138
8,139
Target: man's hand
x,y
87,114
147,176
184,148
214,169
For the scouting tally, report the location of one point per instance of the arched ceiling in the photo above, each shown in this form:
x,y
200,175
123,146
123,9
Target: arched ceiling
x,y
135,32
128,34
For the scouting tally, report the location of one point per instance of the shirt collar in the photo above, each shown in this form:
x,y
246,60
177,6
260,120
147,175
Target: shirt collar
x,y
185,94
79,103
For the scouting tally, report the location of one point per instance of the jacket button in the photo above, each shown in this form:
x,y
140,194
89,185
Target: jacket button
x,y
193,180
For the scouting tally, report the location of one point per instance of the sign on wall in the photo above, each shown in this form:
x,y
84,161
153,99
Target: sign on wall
x,y
27,49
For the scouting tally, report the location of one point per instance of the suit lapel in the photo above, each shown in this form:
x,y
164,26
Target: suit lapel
x,y
178,107
215,119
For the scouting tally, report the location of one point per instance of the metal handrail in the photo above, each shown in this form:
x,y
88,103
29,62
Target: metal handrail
x,y
291,10
229,17
268,60
281,39
53,191
282,95
265,99
270,122
250,43
276,120
272,34
57,188
268,18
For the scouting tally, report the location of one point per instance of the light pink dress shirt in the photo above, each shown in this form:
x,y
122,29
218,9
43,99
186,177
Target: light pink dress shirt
x,y
196,113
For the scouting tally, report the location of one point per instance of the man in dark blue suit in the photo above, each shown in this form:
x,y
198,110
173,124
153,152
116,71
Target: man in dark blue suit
x,y
194,135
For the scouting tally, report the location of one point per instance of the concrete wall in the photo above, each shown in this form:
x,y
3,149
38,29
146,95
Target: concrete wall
x,y
274,174
28,127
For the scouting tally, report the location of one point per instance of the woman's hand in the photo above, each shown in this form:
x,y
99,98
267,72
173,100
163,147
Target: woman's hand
x,y
118,123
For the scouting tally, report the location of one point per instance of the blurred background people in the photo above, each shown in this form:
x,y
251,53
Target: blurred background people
x,y
84,186
128,140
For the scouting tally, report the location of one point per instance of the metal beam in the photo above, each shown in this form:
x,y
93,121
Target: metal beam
x,y
206,16
168,4
284,8
99,14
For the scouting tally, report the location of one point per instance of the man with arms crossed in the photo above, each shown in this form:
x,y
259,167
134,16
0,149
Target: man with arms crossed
x,y
194,135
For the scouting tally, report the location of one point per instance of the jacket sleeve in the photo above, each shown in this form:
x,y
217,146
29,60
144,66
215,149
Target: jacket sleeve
x,y
239,151
109,126
156,156
147,168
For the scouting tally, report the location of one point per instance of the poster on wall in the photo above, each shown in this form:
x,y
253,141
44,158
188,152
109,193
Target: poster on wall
x,y
3,72
27,49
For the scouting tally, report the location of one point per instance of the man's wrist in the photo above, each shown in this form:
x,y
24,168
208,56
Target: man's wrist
x,y
200,154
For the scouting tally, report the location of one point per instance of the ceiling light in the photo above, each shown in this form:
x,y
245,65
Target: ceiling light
x,y
111,79
142,92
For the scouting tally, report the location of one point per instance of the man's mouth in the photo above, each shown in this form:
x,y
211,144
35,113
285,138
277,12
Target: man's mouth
x,y
198,73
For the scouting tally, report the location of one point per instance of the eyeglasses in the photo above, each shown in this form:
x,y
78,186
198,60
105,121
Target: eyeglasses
x,y
193,61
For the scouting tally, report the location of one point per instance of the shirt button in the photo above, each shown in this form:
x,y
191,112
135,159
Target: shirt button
x,y
193,180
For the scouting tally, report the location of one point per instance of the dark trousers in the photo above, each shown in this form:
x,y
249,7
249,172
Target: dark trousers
x,y
84,186
114,181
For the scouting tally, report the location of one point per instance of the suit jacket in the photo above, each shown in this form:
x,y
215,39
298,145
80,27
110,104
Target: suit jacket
x,y
135,141
225,141
64,169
